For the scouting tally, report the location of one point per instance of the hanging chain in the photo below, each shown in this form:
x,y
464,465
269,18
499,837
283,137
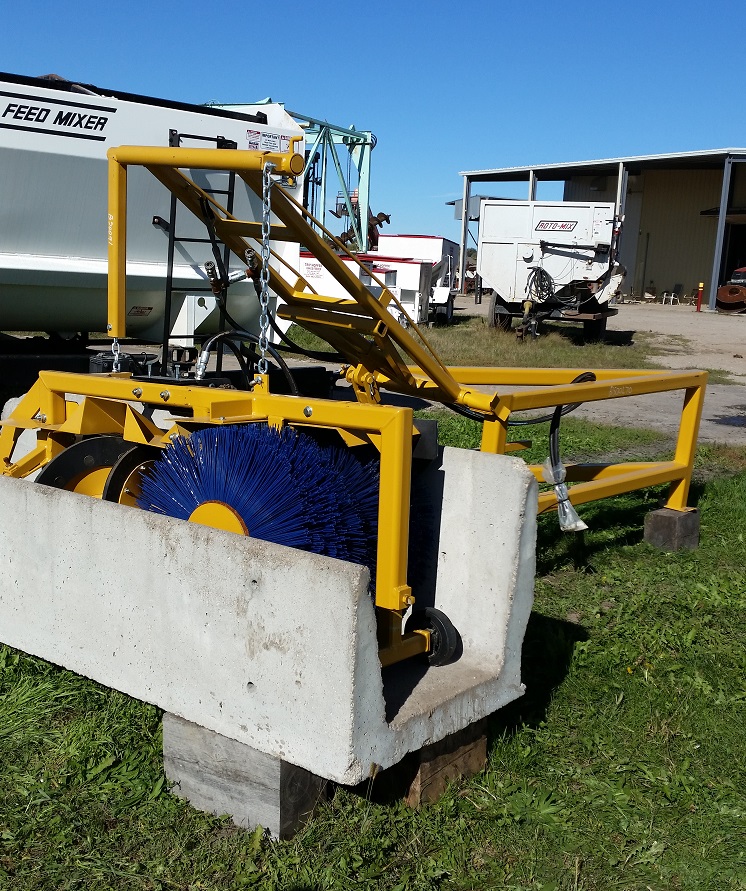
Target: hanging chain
x,y
264,274
115,367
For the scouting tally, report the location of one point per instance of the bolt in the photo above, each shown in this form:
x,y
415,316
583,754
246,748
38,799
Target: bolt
x,y
165,395
308,411
137,392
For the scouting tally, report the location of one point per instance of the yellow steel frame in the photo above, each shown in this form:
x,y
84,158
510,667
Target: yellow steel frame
x,y
107,409
377,347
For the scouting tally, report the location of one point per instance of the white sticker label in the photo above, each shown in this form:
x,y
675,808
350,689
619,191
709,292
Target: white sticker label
x,y
267,142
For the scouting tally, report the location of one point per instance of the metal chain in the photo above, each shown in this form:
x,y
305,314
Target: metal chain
x,y
115,352
264,274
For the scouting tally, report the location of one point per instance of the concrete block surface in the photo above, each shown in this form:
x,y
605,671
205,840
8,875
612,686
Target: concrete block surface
x,y
268,646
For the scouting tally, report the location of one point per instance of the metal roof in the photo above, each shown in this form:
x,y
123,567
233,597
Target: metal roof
x,y
710,158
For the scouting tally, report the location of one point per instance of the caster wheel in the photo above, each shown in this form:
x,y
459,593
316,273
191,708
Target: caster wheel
x,y
444,639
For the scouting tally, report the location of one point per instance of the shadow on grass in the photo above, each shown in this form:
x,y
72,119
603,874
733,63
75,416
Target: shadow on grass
x,y
576,335
546,658
610,526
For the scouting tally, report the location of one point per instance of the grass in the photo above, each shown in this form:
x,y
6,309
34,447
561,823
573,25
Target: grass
x,y
470,341
621,767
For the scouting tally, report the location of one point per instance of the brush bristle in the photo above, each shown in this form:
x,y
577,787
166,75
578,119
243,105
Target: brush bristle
x,y
286,488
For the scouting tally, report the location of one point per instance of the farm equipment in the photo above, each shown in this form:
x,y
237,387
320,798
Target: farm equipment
x,y
118,435
53,179
549,260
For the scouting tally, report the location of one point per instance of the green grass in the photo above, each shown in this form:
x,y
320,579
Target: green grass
x,y
469,341
621,767
580,440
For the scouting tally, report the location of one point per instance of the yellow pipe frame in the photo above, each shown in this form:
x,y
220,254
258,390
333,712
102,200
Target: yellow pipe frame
x,y
377,347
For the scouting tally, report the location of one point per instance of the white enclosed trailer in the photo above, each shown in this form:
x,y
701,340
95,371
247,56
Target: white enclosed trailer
x,y
54,136
419,271
549,259
442,255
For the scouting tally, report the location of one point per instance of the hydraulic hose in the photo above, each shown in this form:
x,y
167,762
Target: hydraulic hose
x,y
228,337
558,412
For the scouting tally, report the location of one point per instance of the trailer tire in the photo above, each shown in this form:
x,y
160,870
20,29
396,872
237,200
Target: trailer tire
x,y
498,316
444,314
594,330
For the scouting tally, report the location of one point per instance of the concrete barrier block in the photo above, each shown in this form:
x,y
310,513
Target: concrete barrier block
x,y
272,647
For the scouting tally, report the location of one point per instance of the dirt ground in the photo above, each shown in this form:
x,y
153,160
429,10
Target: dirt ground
x,y
687,340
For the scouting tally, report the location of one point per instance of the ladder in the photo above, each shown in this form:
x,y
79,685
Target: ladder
x,y
221,252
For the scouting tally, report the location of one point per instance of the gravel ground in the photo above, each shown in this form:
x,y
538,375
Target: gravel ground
x,y
687,340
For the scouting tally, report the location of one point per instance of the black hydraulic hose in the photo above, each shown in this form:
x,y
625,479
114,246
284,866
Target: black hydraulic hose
x,y
240,334
466,412
585,377
241,360
292,347
558,412
295,348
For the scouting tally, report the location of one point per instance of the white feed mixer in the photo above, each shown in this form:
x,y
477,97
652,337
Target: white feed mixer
x,y
54,136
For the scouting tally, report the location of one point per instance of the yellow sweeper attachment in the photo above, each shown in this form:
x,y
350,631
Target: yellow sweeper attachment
x,y
112,413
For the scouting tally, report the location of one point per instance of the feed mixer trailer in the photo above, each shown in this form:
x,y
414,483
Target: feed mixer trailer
x,y
329,477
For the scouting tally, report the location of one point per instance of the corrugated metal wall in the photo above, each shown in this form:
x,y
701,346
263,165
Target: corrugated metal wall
x,y
665,238
680,242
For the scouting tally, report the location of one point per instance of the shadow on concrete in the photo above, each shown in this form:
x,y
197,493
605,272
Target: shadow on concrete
x,y
734,420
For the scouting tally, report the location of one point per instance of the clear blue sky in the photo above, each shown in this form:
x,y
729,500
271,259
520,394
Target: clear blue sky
x,y
445,86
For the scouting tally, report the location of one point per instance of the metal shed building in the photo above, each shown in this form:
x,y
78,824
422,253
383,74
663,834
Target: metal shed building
x,y
684,214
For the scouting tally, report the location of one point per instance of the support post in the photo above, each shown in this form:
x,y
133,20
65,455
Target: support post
x,y
717,261
531,185
464,236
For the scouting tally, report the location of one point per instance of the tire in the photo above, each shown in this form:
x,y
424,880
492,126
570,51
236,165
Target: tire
x,y
444,314
444,639
594,330
498,317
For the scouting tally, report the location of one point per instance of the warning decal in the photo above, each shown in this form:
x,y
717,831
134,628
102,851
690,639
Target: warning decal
x,y
267,142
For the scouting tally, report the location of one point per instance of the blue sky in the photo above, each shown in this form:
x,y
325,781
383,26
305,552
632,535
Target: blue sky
x,y
445,86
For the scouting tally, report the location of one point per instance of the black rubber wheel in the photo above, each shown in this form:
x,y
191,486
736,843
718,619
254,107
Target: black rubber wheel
x,y
498,316
444,639
594,330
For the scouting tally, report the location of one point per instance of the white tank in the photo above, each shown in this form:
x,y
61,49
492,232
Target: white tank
x,y
54,136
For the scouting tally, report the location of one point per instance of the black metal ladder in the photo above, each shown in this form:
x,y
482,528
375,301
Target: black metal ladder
x,y
220,251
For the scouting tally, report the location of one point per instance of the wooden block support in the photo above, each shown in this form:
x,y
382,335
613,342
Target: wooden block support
x,y
422,777
461,754
223,776
672,530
